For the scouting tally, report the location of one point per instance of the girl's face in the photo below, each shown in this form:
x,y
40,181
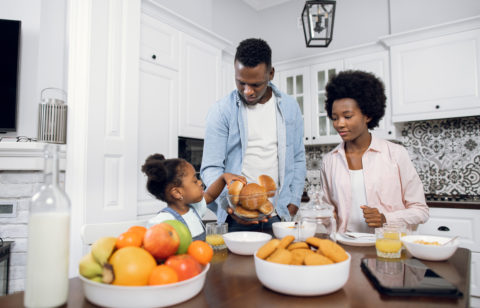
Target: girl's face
x,y
348,119
192,187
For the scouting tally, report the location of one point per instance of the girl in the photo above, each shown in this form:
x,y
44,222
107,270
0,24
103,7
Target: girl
x,y
368,180
174,181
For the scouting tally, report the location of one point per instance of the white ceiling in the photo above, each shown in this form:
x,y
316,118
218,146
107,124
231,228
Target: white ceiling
x,y
259,5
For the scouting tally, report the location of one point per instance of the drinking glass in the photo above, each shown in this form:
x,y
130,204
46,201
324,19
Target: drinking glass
x,y
402,227
388,242
321,227
215,233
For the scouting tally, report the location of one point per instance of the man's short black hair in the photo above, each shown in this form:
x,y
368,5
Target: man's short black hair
x,y
366,89
251,52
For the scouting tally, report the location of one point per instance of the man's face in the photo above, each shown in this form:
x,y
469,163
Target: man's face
x,y
252,82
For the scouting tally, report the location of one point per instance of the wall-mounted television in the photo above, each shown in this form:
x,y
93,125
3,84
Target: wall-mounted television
x,y
9,66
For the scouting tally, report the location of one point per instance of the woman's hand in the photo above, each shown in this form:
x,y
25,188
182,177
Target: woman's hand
x,y
230,177
373,217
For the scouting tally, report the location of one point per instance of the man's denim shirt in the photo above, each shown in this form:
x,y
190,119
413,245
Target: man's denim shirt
x,y
226,138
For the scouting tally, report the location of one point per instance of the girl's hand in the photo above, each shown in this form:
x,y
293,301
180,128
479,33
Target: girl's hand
x,y
230,177
373,217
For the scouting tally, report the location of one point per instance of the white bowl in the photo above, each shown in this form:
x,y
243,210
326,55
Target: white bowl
x,y
303,280
108,295
284,228
245,242
430,252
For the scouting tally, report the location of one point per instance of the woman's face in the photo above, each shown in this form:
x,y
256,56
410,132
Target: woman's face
x,y
348,119
192,187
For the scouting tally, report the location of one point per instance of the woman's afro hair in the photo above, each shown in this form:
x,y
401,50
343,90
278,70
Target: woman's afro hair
x,y
366,89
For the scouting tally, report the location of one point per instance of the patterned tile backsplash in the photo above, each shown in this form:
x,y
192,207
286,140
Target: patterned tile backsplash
x,y
446,154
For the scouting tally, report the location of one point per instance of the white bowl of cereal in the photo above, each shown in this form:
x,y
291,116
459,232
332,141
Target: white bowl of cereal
x,y
303,280
430,247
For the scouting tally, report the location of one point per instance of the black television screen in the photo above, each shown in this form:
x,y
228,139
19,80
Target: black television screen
x,y
9,64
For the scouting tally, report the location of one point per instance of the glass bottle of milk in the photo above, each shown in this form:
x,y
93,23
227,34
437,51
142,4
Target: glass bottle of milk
x,y
48,239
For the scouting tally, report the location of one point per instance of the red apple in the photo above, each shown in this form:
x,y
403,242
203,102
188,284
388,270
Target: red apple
x,y
161,240
185,265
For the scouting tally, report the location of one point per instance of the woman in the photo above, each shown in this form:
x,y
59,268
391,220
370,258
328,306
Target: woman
x,y
368,180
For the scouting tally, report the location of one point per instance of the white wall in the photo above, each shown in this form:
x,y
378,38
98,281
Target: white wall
x,y
356,21
42,54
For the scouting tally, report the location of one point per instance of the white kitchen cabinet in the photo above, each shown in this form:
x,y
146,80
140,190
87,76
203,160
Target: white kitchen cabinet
x,y
295,83
197,57
157,133
378,64
159,43
436,71
311,75
464,223
201,70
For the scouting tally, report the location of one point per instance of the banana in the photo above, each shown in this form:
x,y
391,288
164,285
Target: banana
x,y
103,248
89,268
97,279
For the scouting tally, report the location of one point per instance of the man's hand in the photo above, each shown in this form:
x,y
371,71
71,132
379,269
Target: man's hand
x,y
292,209
373,217
244,222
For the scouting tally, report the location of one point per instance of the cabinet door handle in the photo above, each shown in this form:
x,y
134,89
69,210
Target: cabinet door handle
x,y
389,132
306,138
443,228
313,138
437,107
154,57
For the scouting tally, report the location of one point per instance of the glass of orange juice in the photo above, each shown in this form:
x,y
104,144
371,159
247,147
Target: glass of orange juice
x,y
400,225
215,233
388,242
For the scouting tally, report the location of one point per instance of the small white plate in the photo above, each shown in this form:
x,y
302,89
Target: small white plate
x,y
365,239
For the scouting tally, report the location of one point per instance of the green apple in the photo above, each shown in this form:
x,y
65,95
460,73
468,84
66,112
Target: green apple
x,y
183,233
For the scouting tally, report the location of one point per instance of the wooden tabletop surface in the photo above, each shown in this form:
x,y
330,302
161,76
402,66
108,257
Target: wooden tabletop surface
x,y
232,282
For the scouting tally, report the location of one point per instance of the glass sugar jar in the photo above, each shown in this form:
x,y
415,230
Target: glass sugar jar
x,y
316,218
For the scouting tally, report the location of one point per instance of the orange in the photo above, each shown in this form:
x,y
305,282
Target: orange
x,y
132,266
129,238
138,229
201,251
162,274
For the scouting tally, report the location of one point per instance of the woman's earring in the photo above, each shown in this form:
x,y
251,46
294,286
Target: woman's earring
x,y
181,197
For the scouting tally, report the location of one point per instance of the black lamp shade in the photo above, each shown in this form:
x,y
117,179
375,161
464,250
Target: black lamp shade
x,y
317,18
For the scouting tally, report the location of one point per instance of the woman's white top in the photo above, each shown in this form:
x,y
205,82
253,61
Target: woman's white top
x,y
261,154
356,221
193,223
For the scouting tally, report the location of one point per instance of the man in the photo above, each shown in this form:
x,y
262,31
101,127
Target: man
x,y
255,130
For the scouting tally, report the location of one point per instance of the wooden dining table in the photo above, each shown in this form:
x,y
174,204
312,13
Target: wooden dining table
x,y
232,282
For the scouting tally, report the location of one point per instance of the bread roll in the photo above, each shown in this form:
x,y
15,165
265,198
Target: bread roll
x,y
241,211
266,208
234,190
268,183
253,196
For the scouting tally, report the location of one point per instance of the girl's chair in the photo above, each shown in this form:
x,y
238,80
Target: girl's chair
x,y
92,232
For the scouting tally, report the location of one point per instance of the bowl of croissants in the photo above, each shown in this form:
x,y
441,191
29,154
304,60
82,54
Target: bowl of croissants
x,y
253,201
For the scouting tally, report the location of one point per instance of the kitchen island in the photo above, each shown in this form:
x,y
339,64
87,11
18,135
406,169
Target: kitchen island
x,y
232,282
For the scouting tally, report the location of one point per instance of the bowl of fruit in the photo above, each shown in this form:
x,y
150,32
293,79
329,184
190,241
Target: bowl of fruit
x,y
155,267
253,201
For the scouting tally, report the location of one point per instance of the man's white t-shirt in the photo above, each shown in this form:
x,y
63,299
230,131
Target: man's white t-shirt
x,y
261,154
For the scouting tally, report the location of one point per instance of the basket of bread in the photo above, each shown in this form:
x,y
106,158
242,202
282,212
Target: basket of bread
x,y
253,201
308,268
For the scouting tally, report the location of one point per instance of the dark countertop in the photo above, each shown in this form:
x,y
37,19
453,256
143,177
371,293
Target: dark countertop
x,y
454,205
